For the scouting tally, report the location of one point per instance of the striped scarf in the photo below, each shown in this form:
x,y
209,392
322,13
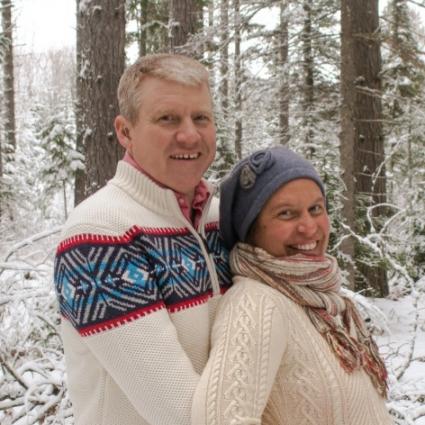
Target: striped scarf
x,y
314,284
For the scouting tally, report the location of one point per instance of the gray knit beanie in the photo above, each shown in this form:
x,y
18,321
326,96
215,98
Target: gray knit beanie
x,y
252,182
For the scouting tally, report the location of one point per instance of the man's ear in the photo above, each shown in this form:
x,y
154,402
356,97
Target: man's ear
x,y
122,129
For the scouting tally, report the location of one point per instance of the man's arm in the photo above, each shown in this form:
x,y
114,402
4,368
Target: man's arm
x,y
147,361
108,293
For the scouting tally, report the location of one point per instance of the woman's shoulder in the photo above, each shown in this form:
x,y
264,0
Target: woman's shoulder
x,y
247,287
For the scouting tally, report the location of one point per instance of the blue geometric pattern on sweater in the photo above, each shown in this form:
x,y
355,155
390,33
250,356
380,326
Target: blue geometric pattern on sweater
x,y
101,285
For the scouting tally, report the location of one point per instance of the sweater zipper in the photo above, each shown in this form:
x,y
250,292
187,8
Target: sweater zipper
x,y
211,267
202,241
208,257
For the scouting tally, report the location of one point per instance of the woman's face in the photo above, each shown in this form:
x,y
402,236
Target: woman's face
x,y
293,221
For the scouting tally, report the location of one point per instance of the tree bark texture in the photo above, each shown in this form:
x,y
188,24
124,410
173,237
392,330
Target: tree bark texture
x,y
143,33
209,47
80,175
238,80
224,58
362,142
186,20
100,63
308,69
284,78
9,144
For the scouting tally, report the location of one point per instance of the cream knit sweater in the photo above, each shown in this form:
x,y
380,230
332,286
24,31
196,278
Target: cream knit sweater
x,y
138,288
269,365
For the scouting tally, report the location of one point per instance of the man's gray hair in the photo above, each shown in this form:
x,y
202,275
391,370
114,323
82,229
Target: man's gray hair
x,y
170,67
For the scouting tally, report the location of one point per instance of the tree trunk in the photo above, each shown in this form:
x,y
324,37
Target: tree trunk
x,y
8,82
238,80
143,32
210,47
362,147
1,180
80,175
283,70
100,58
186,18
308,69
65,202
224,58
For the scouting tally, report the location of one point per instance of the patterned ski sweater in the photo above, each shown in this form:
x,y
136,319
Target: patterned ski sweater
x,y
269,365
138,288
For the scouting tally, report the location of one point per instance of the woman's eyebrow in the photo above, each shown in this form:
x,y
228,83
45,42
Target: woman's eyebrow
x,y
288,204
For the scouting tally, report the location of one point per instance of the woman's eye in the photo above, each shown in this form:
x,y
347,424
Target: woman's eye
x,y
285,214
316,209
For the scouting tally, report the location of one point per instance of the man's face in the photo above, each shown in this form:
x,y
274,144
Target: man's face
x,y
173,139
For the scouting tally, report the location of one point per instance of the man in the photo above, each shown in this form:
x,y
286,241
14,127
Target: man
x,y
141,266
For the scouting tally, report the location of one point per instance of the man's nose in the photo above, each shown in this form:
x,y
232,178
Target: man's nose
x,y
188,133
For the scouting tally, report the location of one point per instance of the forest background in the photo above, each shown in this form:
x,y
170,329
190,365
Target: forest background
x,y
340,81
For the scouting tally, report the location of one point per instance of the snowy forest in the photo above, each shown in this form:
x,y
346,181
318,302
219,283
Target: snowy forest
x,y
339,81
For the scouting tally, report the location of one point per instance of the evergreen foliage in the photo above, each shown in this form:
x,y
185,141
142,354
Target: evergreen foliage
x,y
404,102
38,181
62,161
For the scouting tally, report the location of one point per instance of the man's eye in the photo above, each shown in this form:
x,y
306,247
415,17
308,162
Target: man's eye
x,y
167,118
202,118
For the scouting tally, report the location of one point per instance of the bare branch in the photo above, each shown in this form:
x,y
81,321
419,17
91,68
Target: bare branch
x,y
31,240
13,372
408,359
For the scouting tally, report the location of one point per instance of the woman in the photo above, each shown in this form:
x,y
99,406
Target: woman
x,y
287,346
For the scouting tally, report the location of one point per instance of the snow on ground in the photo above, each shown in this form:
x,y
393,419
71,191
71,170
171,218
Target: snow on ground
x,y
32,371
404,351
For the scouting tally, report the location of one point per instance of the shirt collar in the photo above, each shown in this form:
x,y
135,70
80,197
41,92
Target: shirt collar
x,y
200,197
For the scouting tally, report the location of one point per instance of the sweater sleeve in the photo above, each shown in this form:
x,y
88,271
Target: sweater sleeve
x,y
147,361
111,302
248,341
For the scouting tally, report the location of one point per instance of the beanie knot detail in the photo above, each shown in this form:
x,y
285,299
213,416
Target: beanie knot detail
x,y
257,163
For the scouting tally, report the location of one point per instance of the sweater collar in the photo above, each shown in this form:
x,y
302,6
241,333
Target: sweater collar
x,y
145,191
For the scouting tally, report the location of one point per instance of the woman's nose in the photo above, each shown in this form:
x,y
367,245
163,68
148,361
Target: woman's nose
x,y
307,225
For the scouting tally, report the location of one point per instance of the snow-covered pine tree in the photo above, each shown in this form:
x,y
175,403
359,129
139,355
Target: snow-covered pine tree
x,y
404,104
147,25
61,158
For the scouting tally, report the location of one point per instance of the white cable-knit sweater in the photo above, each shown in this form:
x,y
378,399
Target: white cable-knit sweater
x,y
138,288
269,365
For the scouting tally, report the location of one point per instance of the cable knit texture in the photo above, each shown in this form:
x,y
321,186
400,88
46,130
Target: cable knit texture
x,y
315,284
269,365
138,288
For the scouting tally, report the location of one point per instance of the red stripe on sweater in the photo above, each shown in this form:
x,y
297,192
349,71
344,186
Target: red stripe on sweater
x,y
128,236
114,323
202,299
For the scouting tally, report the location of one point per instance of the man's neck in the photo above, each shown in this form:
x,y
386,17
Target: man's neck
x,y
188,196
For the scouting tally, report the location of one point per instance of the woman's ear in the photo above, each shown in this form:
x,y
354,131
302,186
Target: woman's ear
x,y
122,130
